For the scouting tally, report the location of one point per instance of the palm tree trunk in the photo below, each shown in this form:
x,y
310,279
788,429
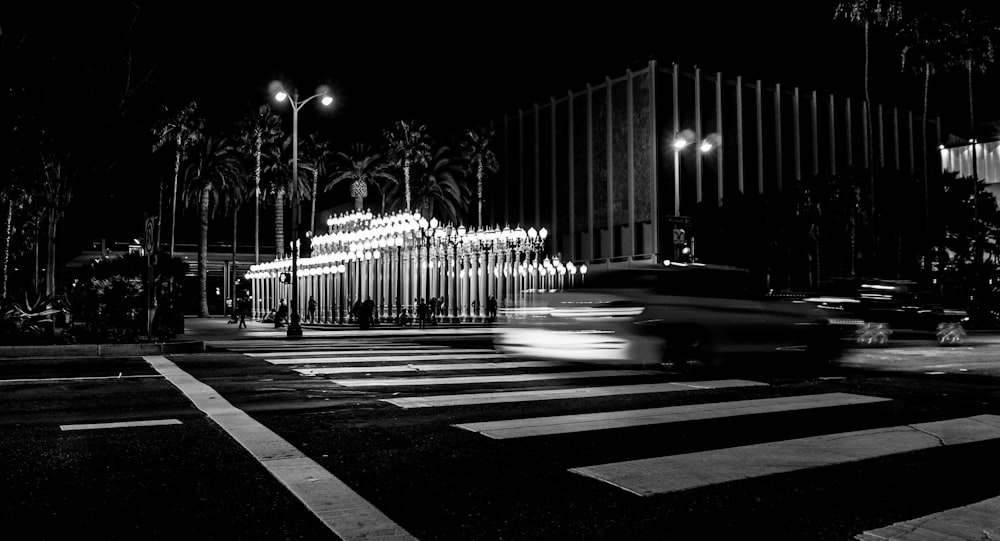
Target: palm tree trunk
x,y
256,211
159,218
8,233
232,279
871,143
927,202
479,191
406,180
312,214
203,253
279,223
358,202
177,172
50,258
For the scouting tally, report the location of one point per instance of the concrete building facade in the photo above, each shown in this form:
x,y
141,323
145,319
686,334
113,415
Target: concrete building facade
x,y
598,166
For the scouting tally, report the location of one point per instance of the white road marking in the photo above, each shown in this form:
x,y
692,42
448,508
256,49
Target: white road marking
x,y
428,367
388,359
355,352
560,394
82,378
340,508
406,382
565,424
125,424
647,477
979,520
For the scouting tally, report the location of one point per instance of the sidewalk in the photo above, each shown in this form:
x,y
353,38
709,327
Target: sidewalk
x,y
200,332
214,329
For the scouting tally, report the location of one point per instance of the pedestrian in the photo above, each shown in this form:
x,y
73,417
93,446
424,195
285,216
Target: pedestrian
x,y
281,314
312,309
356,311
421,313
491,308
432,311
231,308
242,307
475,308
367,313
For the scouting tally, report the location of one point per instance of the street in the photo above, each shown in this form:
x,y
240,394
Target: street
x,y
434,435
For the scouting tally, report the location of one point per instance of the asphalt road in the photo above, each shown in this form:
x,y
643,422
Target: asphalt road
x,y
899,433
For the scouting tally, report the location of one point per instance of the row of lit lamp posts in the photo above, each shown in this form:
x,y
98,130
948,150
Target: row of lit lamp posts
x,y
355,260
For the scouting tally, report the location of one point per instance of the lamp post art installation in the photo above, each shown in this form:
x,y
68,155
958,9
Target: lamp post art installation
x,y
395,257
294,325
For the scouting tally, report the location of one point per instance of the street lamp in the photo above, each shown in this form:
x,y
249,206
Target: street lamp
x,y
681,141
294,328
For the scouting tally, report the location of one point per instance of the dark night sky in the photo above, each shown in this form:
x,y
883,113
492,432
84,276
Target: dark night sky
x,y
457,65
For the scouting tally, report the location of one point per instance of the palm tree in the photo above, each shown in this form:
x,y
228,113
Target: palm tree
x,y
281,188
408,145
210,181
440,190
315,156
183,129
971,48
866,14
361,168
259,137
924,53
477,154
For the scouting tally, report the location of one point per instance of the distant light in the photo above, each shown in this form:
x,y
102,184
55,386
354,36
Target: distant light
x,y
326,101
680,143
940,147
281,95
705,146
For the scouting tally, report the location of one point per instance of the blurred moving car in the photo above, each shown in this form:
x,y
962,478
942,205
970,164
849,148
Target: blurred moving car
x,y
893,309
668,314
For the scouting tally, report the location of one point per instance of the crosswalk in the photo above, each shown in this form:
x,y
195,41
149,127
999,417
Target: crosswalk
x,y
410,376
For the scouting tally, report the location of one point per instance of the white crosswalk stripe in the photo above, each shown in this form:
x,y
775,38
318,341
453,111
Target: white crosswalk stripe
x,y
660,475
388,358
565,424
428,367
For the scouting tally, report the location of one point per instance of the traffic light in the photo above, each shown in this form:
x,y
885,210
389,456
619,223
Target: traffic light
x,y
687,256
285,277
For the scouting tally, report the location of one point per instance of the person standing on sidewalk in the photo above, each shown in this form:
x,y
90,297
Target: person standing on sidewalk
x,y
242,307
421,313
312,309
281,314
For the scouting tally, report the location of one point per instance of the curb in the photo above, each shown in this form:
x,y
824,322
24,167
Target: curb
x,y
101,350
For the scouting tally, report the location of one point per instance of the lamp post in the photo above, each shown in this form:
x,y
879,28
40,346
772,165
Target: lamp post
x,y
427,230
294,328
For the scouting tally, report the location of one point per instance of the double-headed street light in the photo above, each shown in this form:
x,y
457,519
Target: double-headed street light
x,y
681,141
280,94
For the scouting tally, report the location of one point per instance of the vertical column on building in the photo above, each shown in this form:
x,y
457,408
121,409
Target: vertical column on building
x,y
653,163
796,132
697,134
814,132
589,252
572,176
554,209
833,136
739,133
779,165
847,132
609,181
718,130
760,136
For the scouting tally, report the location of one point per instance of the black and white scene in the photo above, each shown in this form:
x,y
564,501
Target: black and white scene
x,y
500,271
